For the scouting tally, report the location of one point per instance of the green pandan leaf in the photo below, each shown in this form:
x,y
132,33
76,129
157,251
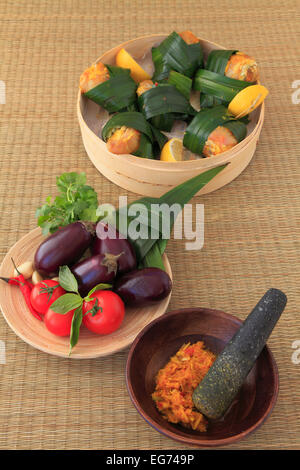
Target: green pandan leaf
x,y
173,53
153,258
181,195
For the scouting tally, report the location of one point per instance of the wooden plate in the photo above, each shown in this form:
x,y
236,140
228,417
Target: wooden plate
x,y
34,332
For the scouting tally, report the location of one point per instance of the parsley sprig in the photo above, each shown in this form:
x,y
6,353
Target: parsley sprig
x,y
75,201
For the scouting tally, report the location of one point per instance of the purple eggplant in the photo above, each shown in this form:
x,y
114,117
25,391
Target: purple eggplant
x,y
114,244
95,270
143,286
64,247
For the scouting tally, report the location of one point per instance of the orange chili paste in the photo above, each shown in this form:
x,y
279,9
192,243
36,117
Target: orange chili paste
x,y
176,382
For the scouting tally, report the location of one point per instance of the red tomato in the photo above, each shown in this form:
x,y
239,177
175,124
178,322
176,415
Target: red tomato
x,y
44,293
104,314
58,323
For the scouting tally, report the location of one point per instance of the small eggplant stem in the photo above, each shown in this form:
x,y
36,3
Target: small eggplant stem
x,y
89,226
110,261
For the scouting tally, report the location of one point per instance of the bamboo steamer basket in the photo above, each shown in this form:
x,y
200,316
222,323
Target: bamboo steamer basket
x,y
154,177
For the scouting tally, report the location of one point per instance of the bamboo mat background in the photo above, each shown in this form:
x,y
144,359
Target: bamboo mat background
x,y
251,226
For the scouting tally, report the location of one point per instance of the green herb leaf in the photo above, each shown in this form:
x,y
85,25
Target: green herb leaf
x,y
75,328
89,214
76,201
67,180
97,287
67,280
66,302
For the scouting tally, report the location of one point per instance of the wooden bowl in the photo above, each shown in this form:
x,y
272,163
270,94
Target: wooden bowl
x,y
153,177
34,332
162,338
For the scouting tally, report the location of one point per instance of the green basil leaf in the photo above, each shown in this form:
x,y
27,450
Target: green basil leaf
x,y
66,302
97,287
75,328
67,279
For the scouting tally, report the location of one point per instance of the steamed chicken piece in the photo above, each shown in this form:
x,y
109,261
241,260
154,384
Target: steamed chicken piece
x,y
219,140
240,66
144,86
124,140
189,37
93,76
